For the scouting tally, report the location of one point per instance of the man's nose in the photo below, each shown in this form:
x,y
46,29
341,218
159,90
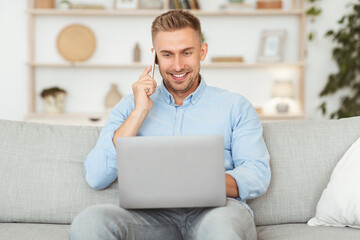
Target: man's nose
x,y
178,63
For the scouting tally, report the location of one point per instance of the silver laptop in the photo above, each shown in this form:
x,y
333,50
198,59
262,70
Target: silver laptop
x,y
171,171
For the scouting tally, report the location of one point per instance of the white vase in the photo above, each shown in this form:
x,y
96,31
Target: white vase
x,y
112,97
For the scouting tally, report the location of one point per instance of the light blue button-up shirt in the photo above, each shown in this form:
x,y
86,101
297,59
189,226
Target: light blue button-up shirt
x,y
208,110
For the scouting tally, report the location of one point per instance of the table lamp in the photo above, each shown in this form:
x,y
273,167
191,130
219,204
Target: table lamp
x,y
282,90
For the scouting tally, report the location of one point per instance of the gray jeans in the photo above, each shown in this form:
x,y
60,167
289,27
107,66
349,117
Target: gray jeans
x,y
107,222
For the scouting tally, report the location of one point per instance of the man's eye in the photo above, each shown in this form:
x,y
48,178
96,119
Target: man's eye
x,y
167,55
187,53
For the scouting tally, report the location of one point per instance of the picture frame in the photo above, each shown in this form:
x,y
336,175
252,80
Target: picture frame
x,y
126,4
272,44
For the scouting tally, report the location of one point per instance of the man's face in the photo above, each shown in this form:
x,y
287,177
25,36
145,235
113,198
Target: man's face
x,y
179,54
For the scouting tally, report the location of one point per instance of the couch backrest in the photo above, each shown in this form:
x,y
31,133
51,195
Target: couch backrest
x,y
42,177
303,155
41,172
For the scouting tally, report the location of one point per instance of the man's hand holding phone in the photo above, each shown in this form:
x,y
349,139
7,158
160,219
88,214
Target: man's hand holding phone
x,y
143,88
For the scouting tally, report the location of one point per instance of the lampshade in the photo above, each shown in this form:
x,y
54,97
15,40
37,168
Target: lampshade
x,y
283,89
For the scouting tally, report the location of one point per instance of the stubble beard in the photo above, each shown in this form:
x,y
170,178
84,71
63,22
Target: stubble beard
x,y
172,88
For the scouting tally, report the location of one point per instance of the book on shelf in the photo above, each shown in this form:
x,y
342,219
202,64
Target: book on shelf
x,y
176,4
193,4
184,4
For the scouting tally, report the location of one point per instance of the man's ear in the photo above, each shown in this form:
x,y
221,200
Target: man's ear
x,y
203,51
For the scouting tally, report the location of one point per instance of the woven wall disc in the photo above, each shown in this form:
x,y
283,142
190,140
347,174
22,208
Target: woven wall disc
x,y
76,43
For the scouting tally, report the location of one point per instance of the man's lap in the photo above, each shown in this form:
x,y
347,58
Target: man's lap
x,y
232,221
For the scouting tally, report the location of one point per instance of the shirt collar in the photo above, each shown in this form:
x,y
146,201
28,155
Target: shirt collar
x,y
193,97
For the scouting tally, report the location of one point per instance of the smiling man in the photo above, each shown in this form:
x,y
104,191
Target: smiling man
x,y
182,105
180,53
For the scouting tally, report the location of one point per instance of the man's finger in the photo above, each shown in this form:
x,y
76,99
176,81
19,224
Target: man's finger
x,y
147,71
150,91
148,87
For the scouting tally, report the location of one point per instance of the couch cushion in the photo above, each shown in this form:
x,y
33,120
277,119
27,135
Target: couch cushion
x,y
26,231
305,232
303,155
41,172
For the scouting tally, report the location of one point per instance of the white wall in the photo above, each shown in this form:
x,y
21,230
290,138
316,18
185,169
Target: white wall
x,y
13,56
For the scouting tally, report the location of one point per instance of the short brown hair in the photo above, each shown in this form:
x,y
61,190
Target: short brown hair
x,y
175,20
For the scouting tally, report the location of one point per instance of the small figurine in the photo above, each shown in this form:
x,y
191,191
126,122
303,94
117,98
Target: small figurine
x,y
137,54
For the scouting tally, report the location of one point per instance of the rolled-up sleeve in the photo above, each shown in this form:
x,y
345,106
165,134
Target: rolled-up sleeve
x,y
100,165
249,153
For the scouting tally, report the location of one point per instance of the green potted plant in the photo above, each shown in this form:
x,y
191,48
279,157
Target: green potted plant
x,y
346,54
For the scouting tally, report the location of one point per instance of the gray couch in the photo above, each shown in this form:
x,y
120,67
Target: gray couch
x,y
42,185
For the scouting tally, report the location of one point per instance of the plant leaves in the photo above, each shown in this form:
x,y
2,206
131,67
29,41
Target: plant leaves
x,y
311,36
322,107
346,54
329,33
341,21
313,11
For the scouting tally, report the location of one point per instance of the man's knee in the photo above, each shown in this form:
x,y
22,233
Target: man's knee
x,y
94,223
212,228
226,223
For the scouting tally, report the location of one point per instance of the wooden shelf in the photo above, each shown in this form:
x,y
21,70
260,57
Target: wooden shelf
x,y
99,119
87,65
252,65
79,12
281,117
143,65
90,119
35,15
144,12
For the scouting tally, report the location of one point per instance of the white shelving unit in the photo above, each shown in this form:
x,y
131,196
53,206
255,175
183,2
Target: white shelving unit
x,y
142,65
100,118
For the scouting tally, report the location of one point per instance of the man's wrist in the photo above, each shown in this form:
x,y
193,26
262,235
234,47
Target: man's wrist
x,y
139,110
139,114
131,125
231,186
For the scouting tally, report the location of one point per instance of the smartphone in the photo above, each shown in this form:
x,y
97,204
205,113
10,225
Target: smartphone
x,y
155,62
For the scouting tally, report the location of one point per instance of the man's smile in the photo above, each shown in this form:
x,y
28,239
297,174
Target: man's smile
x,y
179,77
